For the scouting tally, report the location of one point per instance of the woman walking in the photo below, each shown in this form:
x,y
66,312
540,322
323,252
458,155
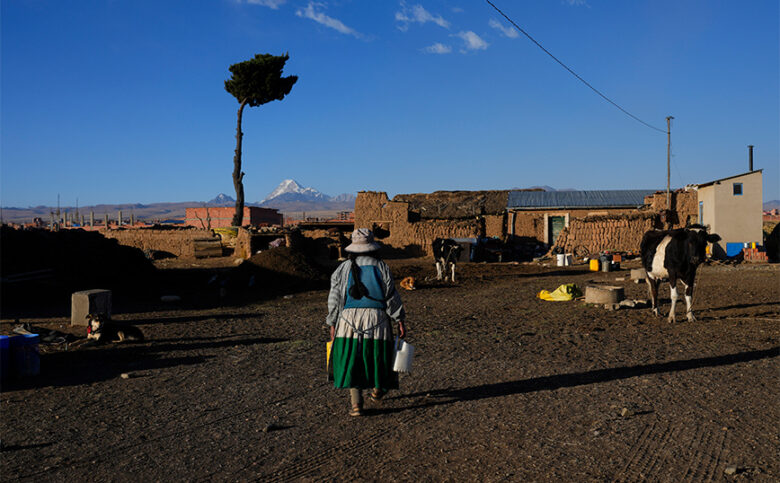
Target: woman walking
x,y
361,305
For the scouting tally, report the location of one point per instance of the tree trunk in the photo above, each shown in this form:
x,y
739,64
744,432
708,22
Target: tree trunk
x,y
238,176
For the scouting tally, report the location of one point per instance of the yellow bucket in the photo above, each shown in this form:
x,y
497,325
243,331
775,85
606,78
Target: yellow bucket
x,y
594,265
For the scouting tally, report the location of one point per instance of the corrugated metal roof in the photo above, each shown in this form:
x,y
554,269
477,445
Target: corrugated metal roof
x,y
730,177
577,199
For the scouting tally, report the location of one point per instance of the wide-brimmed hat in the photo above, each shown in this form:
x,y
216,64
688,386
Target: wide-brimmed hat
x,y
362,241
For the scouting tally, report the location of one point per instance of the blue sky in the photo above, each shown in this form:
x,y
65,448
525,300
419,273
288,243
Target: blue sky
x,y
122,101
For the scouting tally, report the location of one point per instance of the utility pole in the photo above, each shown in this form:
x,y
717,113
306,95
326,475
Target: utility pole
x,y
668,161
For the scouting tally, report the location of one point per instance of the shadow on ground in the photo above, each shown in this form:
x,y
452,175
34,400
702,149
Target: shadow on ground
x,y
439,397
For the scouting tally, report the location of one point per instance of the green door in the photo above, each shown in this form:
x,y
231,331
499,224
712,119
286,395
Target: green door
x,y
556,225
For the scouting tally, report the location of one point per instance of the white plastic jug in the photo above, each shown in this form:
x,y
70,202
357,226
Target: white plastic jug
x,y
404,355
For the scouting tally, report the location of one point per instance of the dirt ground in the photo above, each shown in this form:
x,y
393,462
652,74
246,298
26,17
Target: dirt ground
x,y
505,387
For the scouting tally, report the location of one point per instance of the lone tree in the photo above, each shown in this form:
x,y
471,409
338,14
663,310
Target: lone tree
x,y
254,82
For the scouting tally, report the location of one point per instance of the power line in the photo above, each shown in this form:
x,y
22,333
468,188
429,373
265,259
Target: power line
x,y
571,71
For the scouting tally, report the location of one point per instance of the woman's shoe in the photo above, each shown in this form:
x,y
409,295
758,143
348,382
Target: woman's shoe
x,y
376,395
356,411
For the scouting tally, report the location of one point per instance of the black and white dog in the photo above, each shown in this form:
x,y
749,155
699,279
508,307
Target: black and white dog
x,y
446,252
674,255
101,329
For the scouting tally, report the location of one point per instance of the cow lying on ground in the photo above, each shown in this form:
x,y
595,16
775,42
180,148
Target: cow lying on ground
x,y
674,255
446,252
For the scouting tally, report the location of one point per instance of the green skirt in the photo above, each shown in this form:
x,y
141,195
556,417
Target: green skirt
x,y
363,350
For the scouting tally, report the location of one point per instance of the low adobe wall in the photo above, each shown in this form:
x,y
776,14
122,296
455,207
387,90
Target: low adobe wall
x,y
617,233
179,242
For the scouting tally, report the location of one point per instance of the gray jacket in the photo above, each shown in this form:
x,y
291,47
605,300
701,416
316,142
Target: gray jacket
x,y
338,290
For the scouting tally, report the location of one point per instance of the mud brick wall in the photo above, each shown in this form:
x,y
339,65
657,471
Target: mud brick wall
x,y
368,207
397,227
177,242
620,233
243,244
455,205
530,223
495,226
684,206
420,235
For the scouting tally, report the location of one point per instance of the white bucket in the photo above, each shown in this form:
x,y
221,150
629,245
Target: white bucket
x,y
561,259
404,355
568,259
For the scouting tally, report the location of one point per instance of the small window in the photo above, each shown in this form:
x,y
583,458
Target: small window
x,y
737,189
701,212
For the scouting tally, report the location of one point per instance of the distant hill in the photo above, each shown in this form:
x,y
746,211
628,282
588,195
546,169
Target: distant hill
x,y
288,197
544,187
150,213
772,204
221,200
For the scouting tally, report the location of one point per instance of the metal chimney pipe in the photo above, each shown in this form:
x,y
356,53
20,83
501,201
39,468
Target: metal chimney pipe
x,y
750,156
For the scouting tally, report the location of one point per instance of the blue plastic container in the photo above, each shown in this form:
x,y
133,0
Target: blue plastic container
x,y
25,358
734,249
5,356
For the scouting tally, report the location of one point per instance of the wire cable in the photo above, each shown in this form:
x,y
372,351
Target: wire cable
x,y
571,71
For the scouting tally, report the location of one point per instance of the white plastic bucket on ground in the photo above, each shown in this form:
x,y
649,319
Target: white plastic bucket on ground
x,y
561,259
404,355
568,259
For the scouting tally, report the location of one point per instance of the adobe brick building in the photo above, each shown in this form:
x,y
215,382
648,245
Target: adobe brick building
x,y
222,216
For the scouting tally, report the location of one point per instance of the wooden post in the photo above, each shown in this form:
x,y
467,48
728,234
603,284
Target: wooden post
x,y
91,219
668,161
119,221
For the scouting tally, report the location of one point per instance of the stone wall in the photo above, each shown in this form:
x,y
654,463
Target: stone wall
x,y
179,242
617,233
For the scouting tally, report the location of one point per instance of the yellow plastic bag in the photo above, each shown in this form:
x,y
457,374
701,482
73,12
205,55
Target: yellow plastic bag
x,y
565,292
329,366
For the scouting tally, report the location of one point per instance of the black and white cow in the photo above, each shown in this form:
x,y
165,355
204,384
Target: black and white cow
x,y
446,252
674,255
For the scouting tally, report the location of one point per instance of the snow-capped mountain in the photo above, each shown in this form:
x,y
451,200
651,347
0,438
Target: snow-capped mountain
x,y
290,195
222,200
291,187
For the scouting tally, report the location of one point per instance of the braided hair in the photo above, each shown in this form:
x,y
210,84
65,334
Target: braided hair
x,y
358,290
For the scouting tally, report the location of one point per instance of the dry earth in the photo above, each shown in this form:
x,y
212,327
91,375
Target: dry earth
x,y
505,387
